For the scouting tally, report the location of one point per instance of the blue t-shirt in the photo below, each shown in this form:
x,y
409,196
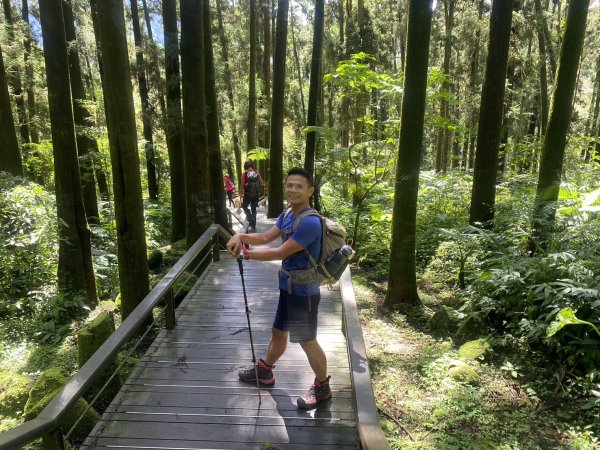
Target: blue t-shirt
x,y
308,235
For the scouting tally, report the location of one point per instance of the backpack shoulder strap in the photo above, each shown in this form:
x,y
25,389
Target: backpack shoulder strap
x,y
307,212
312,212
287,213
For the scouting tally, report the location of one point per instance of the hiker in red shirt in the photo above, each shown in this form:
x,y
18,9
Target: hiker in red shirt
x,y
229,189
253,190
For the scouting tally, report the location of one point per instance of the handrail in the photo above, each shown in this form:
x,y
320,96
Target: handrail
x,y
48,419
237,217
370,434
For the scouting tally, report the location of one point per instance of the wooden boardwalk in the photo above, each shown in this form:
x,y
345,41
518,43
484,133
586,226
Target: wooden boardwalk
x,y
185,393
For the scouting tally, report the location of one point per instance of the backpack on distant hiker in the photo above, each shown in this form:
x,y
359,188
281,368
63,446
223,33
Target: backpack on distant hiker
x,y
254,187
334,256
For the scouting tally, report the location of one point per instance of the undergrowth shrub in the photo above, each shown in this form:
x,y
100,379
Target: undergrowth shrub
x,y
523,296
28,254
443,203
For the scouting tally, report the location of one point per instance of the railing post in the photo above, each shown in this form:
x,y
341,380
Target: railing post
x,y
229,219
216,255
53,441
169,310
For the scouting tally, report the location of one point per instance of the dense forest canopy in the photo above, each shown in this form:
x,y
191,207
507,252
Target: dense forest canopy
x,y
457,140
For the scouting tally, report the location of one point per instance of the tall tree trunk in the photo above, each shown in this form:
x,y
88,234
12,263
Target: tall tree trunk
x,y
99,165
473,87
298,71
10,156
553,149
237,152
593,124
173,123
122,137
541,24
14,77
442,150
278,112
75,270
549,47
266,74
156,77
29,75
212,123
86,145
315,85
195,140
251,132
505,129
402,279
146,114
483,194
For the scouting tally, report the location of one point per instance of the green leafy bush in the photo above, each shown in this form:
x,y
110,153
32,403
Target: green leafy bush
x,y
28,255
522,295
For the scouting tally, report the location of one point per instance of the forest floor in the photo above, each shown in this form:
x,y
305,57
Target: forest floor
x,y
424,405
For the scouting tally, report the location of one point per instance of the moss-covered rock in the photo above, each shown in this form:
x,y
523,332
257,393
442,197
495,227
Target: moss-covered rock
x,y
155,259
48,384
174,252
93,335
462,371
443,320
14,391
89,339
473,350
183,286
471,328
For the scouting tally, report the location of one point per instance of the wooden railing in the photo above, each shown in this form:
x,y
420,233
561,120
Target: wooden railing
x,y
46,424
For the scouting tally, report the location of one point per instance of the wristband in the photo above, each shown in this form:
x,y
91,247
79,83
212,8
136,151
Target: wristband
x,y
245,253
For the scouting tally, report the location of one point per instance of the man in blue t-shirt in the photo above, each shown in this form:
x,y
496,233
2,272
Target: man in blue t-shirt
x,y
299,295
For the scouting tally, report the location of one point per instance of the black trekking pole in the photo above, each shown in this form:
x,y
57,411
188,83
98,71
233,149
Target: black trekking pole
x,y
241,266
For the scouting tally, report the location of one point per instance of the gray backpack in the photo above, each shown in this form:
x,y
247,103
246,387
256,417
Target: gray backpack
x,y
255,187
333,245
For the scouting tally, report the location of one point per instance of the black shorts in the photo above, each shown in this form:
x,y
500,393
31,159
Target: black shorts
x,y
298,315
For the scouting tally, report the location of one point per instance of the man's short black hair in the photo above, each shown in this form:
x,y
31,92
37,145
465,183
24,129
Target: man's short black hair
x,y
302,172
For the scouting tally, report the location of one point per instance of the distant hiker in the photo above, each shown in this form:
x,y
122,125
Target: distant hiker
x,y
299,296
229,189
253,190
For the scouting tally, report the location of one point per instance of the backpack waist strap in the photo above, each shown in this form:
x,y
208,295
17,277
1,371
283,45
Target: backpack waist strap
x,y
300,277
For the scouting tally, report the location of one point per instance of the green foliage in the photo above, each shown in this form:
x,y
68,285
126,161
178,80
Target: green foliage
x,y
443,203
28,255
354,76
38,162
567,317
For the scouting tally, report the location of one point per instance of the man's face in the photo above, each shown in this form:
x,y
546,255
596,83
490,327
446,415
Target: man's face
x,y
297,191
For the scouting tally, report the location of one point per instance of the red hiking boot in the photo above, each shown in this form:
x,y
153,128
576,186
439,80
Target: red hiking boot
x,y
318,392
265,374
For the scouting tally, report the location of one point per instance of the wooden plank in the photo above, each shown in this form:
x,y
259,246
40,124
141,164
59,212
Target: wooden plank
x,y
276,400
235,412
240,434
229,419
172,444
